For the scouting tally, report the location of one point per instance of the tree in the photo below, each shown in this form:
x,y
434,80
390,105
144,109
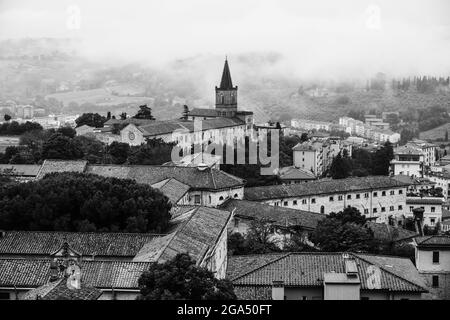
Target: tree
x,y
91,119
83,202
340,167
59,146
67,131
93,150
349,215
344,231
382,160
144,112
119,152
7,117
180,278
153,152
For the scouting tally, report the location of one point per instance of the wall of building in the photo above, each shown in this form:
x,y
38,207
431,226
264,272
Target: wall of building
x,y
371,203
431,216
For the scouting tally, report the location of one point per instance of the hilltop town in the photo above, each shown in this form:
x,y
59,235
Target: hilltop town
x,y
94,205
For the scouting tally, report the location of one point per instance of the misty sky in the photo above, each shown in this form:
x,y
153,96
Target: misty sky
x,y
315,37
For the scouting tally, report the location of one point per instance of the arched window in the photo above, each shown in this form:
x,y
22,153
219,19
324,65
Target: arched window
x,y
322,209
235,195
221,198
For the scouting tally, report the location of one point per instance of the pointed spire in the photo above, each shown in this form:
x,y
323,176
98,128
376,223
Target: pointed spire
x,y
226,82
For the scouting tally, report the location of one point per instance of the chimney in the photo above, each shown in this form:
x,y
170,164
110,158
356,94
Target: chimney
x,y
418,220
278,290
54,270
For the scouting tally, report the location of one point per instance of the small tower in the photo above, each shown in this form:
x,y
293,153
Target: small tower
x,y
226,94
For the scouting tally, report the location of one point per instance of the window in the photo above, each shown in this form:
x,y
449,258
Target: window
x,y
366,211
285,203
313,200
400,207
221,198
349,197
322,209
400,191
435,256
383,193
435,281
331,199
340,198
411,208
375,194
433,209
236,223
294,202
304,201
392,192
366,195
375,210
383,209
4,295
197,199
277,204
391,208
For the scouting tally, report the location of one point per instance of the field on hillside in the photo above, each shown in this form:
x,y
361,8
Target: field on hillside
x,y
436,133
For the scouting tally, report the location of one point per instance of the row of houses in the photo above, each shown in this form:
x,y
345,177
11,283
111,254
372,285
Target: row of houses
x,y
374,130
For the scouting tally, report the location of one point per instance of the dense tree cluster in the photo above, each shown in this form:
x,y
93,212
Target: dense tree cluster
x,y
83,202
14,128
362,163
181,279
91,119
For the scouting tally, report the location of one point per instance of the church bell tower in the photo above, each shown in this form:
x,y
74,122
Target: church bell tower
x,y
226,94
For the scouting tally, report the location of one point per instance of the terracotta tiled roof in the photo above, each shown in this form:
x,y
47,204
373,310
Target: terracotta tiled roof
x,y
32,273
197,112
207,179
280,216
134,121
383,231
293,173
25,170
308,269
196,235
433,241
50,166
172,189
100,244
169,126
58,290
322,187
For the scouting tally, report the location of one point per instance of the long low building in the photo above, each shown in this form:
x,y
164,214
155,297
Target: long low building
x,y
324,276
377,197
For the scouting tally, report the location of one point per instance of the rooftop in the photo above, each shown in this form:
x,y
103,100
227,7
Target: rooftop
x,y
383,231
32,273
172,189
319,187
58,290
419,200
284,217
307,270
433,241
293,173
99,244
197,234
